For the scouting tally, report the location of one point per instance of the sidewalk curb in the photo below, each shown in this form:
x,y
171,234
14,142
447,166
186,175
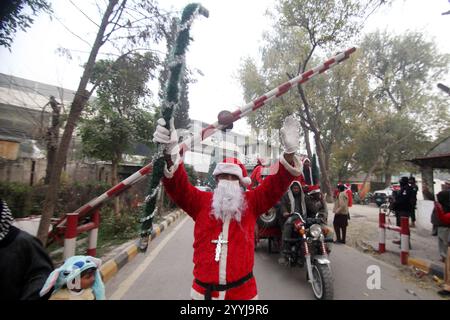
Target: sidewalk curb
x,y
427,267
112,266
424,265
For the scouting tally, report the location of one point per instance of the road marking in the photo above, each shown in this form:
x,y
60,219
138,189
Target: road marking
x,y
128,282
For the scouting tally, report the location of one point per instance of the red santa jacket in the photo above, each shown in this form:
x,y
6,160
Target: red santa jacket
x,y
256,177
237,255
350,197
442,215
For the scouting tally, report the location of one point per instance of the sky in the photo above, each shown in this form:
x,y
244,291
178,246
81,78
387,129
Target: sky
x,y
232,32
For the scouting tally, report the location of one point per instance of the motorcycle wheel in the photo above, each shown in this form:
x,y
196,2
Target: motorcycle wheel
x,y
322,284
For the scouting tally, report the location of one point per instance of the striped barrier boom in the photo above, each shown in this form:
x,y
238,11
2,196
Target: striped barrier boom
x,y
264,99
210,130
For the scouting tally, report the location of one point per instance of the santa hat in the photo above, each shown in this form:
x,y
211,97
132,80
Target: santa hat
x,y
235,167
313,189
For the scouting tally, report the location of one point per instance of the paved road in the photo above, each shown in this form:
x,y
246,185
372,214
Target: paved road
x,y
165,273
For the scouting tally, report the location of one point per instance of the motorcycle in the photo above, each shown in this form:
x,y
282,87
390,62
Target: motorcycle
x,y
308,245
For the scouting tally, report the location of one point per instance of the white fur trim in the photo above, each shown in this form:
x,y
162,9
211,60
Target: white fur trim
x,y
296,170
169,173
231,168
246,181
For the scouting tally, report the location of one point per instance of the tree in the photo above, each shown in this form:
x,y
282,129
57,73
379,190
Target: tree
x,y
113,124
14,17
324,105
327,25
52,137
119,19
405,112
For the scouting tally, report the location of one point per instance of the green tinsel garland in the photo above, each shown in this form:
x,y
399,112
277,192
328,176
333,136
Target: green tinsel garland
x,y
176,68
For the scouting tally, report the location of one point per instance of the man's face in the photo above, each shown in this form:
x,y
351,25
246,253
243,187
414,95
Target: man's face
x,y
227,176
295,189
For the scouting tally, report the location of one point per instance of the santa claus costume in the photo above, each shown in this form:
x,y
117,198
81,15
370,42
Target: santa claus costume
x,y
224,247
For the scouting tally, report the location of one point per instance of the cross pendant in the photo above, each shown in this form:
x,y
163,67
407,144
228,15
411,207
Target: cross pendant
x,y
218,243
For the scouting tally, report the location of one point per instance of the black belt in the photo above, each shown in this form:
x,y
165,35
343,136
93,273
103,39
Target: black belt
x,y
222,287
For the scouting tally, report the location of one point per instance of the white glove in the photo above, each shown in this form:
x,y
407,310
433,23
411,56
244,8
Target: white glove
x,y
168,138
290,136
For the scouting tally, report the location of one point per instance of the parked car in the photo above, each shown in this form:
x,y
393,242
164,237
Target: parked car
x,y
382,196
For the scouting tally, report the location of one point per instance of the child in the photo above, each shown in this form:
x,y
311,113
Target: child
x,y
77,279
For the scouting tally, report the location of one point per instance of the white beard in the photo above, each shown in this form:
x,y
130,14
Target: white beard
x,y
228,201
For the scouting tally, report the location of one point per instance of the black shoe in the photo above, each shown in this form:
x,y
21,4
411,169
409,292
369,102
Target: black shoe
x,y
444,293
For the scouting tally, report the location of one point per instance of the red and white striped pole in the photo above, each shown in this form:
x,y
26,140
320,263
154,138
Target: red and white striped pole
x,y
93,234
264,99
382,231
404,239
70,236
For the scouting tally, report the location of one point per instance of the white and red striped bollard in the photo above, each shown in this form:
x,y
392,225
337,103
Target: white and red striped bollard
x,y
93,234
70,235
382,231
404,239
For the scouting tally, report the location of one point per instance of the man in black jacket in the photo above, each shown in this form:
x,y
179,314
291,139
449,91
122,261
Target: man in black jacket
x,y
403,200
24,263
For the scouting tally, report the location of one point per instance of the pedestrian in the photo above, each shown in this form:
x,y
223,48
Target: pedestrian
x,y
442,226
24,263
256,176
403,202
292,201
348,191
443,215
225,218
340,210
414,190
78,278
307,177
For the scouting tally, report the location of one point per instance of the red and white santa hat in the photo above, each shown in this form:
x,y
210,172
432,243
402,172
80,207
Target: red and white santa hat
x,y
313,189
235,167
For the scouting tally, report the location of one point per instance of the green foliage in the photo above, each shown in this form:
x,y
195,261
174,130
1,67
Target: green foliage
x,y
18,198
192,174
14,17
403,71
210,179
24,200
114,228
328,23
378,106
116,120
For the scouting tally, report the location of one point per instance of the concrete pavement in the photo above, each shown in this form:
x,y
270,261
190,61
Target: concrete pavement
x,y
165,273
